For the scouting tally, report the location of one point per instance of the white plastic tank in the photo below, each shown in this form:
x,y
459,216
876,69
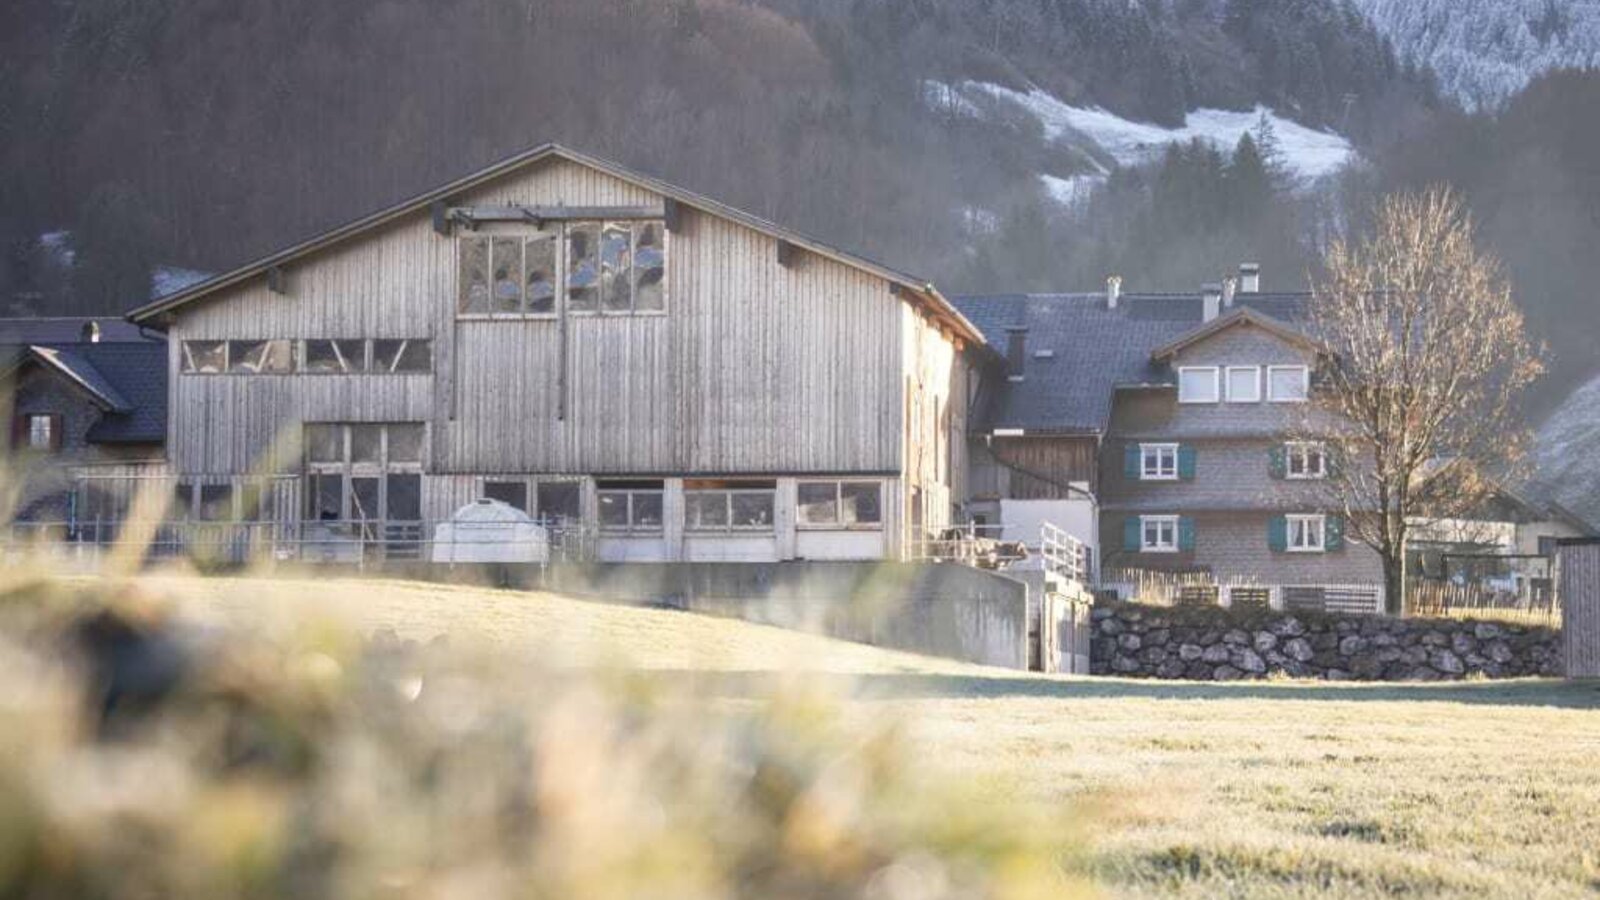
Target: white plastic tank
x,y
488,531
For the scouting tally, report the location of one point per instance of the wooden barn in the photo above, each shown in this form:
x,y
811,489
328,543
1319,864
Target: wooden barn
x,y
672,378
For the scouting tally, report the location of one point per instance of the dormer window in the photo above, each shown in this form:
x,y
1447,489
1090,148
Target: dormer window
x,y
1198,384
1288,384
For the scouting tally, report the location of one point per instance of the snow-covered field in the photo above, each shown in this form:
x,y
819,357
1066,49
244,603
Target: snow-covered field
x,y
1306,151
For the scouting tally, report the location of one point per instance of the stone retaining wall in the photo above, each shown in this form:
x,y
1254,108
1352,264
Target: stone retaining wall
x,y
1216,644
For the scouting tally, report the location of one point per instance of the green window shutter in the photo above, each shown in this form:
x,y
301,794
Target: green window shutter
x,y
1278,534
1132,462
1186,458
1333,533
1278,462
1131,537
1186,533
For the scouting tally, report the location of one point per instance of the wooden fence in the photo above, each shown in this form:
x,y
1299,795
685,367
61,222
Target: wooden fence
x,y
1444,599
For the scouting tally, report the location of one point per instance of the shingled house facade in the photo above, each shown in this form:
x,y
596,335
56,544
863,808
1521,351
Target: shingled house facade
x,y
1187,401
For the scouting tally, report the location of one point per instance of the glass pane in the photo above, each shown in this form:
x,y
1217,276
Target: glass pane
x,y
819,503
583,274
364,498
1287,384
366,443
752,510
246,356
350,356
405,498
473,275
560,501
416,358
216,502
507,275
1242,385
511,493
649,267
1198,386
861,503
539,272
205,357
647,510
705,509
182,499
616,267
325,493
614,509
320,358
405,443
325,443
386,355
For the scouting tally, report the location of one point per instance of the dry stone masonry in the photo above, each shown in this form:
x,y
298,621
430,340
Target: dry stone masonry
x,y
1215,644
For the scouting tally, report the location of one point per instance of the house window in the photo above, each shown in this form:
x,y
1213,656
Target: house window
x,y
364,471
1244,384
630,507
613,268
1158,534
1305,459
511,493
728,505
1158,462
1197,384
260,357
1306,533
560,502
44,432
204,357
1288,384
840,504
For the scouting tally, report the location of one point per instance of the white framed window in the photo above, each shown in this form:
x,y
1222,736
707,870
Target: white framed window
x,y
832,505
1158,534
1307,534
630,507
1158,462
710,505
1197,384
1305,460
44,431
1244,384
1288,384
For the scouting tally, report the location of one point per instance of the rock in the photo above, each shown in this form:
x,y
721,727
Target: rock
x,y
1462,643
1171,668
1500,652
1215,653
1366,666
1197,671
1385,640
1100,613
1190,652
1130,614
1130,642
1325,641
1227,673
1236,636
1287,627
1336,675
1485,631
1274,659
1157,636
1111,627
1125,664
1420,673
1389,655
1249,661
1352,645
1416,656
1435,639
1153,655
1299,650
1264,641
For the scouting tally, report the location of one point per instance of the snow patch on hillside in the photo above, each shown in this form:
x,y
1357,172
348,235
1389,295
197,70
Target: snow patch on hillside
x,y
1565,455
1486,50
1306,151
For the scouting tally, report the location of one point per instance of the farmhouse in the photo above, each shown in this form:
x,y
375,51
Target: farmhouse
x,y
644,369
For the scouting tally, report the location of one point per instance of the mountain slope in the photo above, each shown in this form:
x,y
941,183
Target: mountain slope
x,y
1565,455
1483,51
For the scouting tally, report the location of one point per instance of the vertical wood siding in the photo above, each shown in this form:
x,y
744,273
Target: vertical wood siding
x,y
1580,608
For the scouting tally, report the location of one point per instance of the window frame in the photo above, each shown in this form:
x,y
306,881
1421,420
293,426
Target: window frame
x,y
632,528
1156,450
838,522
1305,382
1307,520
347,469
186,365
1216,385
52,432
561,305
1160,521
1227,379
730,491
1303,450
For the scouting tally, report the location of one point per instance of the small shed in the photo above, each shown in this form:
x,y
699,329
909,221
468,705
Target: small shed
x,y
489,531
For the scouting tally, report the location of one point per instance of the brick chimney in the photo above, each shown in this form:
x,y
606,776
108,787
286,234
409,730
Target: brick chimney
x,y
1249,278
1113,291
1211,301
1016,352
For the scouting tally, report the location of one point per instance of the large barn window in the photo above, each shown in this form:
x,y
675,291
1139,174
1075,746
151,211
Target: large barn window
x,y
205,357
630,507
364,471
840,504
728,505
260,357
604,268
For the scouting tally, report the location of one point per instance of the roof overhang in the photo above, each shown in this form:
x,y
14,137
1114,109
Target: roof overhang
x,y
50,358
918,291
1237,317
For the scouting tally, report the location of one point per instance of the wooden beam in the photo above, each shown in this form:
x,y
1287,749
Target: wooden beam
x,y
672,214
440,211
552,213
277,280
788,254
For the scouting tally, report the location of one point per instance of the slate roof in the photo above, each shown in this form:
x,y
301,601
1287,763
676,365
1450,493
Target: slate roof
x,y
69,330
127,379
1096,351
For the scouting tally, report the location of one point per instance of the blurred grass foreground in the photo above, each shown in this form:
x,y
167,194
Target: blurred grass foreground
x,y
144,753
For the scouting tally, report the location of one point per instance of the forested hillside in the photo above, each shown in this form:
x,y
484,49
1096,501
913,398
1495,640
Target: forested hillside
x,y
201,132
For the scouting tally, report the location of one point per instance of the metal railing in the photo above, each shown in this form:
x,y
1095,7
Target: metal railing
x,y
1063,554
984,547
352,542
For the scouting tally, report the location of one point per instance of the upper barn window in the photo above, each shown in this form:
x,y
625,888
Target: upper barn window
x,y
600,268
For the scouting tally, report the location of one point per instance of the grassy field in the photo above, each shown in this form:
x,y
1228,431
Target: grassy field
x,y
1252,790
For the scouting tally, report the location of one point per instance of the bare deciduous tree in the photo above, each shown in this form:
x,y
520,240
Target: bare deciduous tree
x,y
1427,364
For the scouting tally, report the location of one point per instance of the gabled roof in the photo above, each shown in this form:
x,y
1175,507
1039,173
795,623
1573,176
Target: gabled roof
x,y
941,308
1095,351
69,330
127,380
1243,315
